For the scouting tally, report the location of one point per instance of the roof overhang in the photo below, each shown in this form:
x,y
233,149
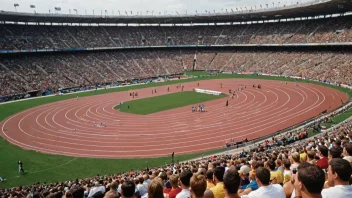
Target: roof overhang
x,y
316,8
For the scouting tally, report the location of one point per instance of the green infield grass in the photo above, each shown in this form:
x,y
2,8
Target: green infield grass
x,y
165,102
51,168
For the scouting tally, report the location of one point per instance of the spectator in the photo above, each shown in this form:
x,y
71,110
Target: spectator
x,y
244,174
252,186
265,190
309,181
339,174
98,190
232,181
146,181
218,189
295,160
347,152
279,165
111,194
140,187
276,177
311,157
173,179
127,189
155,190
198,185
334,153
77,192
323,154
337,144
302,155
287,171
209,176
185,178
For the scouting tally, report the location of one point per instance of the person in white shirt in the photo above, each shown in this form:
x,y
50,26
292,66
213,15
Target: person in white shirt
x,y
265,190
140,187
146,180
98,187
339,174
185,178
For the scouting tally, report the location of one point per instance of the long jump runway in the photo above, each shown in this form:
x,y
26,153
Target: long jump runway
x,y
67,127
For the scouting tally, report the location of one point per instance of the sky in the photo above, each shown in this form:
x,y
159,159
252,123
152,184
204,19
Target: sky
x,y
140,6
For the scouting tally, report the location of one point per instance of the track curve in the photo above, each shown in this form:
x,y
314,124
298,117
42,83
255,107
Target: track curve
x,y
67,127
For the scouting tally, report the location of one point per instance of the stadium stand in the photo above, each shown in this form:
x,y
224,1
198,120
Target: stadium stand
x,y
29,37
23,73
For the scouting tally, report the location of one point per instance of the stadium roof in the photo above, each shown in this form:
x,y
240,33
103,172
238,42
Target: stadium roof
x,y
316,8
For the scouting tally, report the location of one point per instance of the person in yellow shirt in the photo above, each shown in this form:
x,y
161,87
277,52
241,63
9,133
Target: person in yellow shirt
x,y
276,177
303,155
287,172
218,190
209,176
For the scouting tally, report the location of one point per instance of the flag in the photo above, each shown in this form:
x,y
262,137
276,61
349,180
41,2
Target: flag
x,y
32,6
16,4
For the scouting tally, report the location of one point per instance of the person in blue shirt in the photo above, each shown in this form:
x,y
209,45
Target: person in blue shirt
x,y
252,186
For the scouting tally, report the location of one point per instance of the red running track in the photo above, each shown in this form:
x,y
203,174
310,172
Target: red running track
x,y
66,127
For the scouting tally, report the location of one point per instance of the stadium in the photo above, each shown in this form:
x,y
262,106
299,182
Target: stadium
x,y
246,102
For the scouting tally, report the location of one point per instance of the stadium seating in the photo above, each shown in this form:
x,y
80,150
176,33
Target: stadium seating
x,y
29,37
19,74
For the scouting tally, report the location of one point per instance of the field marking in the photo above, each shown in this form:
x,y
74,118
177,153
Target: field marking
x,y
54,167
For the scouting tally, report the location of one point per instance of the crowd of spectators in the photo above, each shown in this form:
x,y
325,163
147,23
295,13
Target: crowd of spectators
x,y
23,73
320,166
29,37
324,66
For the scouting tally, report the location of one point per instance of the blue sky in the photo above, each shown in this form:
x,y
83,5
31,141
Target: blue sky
x,y
171,6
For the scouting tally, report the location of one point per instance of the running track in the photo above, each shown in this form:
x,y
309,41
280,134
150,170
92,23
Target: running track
x,y
66,127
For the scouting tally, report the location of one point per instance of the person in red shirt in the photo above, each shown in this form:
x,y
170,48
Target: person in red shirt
x,y
323,152
173,179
